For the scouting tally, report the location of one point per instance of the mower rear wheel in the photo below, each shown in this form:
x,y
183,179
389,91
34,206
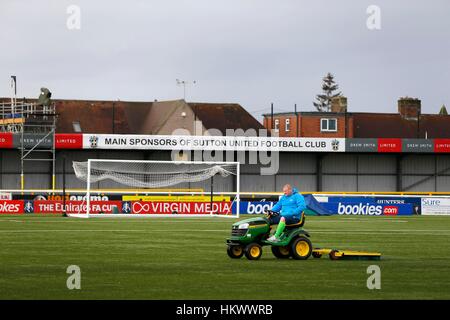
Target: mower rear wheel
x,y
334,255
301,248
281,252
316,255
253,251
235,252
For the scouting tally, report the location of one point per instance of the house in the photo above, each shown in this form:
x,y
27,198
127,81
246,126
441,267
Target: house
x,y
408,122
153,118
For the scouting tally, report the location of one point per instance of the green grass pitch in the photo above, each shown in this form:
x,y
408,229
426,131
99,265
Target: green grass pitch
x,y
179,258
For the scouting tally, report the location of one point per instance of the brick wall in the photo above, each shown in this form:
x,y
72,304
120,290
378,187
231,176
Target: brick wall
x,y
309,126
282,124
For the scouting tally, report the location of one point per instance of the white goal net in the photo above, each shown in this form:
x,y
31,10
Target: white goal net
x,y
161,188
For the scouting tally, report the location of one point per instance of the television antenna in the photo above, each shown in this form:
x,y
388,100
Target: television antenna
x,y
184,83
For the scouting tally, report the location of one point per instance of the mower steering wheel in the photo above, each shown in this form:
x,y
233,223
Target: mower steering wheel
x,y
271,213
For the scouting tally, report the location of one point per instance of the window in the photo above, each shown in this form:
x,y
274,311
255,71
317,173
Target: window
x,y
276,125
287,125
76,126
328,125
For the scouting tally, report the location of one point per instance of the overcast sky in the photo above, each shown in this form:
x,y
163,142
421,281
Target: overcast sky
x,y
251,52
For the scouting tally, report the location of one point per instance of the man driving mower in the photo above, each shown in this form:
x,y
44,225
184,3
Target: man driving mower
x,y
290,206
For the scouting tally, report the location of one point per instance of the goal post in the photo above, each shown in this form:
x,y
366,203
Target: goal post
x,y
190,188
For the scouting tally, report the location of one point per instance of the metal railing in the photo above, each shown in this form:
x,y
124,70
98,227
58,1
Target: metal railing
x,y
24,109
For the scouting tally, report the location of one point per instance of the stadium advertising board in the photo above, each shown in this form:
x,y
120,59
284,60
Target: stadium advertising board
x,y
361,145
182,198
436,206
11,207
259,207
5,196
69,141
231,143
441,145
370,206
48,207
69,197
417,145
397,145
6,140
389,145
107,207
253,207
63,141
31,139
147,207
223,143
415,202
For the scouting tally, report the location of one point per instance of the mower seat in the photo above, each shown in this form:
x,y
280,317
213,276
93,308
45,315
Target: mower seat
x,y
298,224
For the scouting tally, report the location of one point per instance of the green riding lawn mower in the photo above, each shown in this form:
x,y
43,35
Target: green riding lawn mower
x,y
250,235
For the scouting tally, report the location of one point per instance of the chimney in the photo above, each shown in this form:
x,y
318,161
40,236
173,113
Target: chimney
x,y
339,104
409,108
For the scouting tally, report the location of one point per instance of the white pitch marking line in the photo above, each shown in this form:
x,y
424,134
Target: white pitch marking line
x,y
356,220
92,230
368,232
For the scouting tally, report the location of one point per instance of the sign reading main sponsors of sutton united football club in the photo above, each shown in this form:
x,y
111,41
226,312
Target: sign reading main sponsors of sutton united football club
x,y
225,143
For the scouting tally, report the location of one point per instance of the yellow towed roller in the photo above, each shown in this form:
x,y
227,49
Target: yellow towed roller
x,y
335,254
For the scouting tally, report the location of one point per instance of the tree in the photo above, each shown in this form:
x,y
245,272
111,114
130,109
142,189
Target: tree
x,y
443,111
323,103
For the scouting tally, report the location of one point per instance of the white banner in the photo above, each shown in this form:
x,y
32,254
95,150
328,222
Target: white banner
x,y
221,143
5,196
436,206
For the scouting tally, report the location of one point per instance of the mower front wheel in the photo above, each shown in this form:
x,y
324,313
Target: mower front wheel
x,y
235,252
253,251
301,248
281,252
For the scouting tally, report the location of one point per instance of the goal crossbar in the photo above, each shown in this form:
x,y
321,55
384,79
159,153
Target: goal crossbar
x,y
205,171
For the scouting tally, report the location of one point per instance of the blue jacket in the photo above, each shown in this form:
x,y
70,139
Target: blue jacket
x,y
290,206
